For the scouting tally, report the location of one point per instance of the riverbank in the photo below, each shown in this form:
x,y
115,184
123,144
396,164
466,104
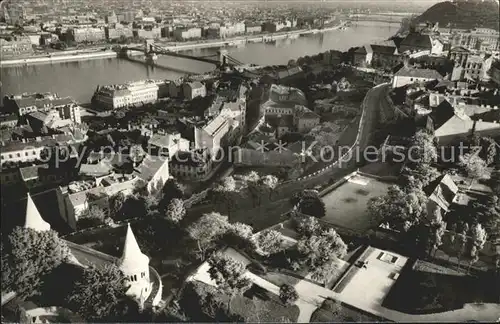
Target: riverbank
x,y
73,56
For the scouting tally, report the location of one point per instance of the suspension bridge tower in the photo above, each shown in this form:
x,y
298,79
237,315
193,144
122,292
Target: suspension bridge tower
x,y
151,57
222,57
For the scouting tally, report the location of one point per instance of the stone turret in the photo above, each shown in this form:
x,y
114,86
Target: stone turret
x,y
135,266
33,218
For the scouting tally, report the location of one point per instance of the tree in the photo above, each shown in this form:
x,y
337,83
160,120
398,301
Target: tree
x,y
292,63
240,235
312,206
304,194
419,175
474,257
400,209
462,242
224,193
116,204
269,182
93,216
171,190
473,165
27,257
175,211
97,295
288,294
489,151
206,230
451,236
307,226
436,227
322,248
254,186
479,236
324,272
269,242
228,274
422,149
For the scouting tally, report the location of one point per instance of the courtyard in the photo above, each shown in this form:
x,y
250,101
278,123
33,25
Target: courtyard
x,y
375,279
346,206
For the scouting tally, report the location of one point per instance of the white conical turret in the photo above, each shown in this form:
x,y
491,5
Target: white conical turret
x,y
132,254
33,218
135,266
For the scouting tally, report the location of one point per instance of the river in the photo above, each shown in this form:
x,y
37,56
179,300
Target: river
x,y
80,79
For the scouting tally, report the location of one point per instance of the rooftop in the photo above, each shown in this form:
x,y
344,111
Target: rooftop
x,y
419,73
215,125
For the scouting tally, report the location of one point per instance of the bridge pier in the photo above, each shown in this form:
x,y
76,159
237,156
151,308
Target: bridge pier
x,y
222,57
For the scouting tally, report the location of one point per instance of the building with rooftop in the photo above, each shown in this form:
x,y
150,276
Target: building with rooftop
x,y
125,95
194,89
193,165
484,39
441,194
143,281
168,144
416,42
27,103
382,54
87,34
77,197
408,75
181,34
494,72
15,47
29,151
30,313
211,135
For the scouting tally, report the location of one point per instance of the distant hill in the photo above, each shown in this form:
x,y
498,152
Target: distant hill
x,y
463,14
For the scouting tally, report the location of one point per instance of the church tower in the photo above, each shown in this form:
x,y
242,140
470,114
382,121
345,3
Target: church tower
x,y
33,218
135,266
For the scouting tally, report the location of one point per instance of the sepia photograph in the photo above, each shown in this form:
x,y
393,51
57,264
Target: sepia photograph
x,y
261,161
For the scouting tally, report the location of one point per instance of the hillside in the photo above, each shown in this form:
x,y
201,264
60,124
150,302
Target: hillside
x,y
463,14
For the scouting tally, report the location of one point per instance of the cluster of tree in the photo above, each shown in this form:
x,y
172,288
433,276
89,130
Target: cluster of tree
x,y
213,228
28,256
309,202
228,197
166,202
319,248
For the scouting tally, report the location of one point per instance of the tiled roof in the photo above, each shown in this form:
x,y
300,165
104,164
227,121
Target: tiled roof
x,y
165,141
455,126
194,159
13,146
419,73
417,40
283,120
148,167
32,172
361,50
383,49
215,125
442,191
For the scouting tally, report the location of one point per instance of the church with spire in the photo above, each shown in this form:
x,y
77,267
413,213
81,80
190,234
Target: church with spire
x,y
135,266
144,282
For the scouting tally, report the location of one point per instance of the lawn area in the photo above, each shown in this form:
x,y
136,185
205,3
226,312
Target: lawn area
x,y
437,289
332,311
346,205
263,216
